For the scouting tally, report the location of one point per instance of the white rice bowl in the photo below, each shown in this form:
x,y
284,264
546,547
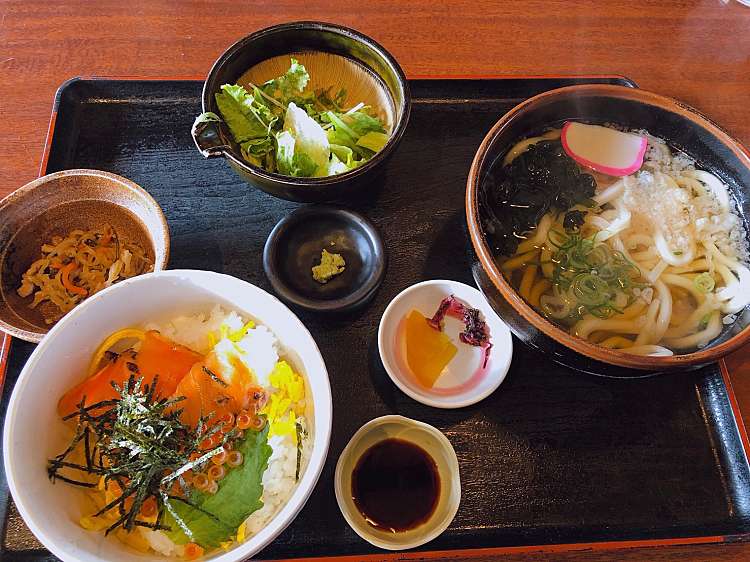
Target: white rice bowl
x,y
184,306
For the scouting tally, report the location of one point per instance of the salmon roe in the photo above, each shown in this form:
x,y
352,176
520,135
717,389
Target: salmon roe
x,y
234,459
193,550
201,482
244,420
227,422
219,458
217,472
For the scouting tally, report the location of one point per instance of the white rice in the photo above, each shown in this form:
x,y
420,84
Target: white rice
x,y
261,354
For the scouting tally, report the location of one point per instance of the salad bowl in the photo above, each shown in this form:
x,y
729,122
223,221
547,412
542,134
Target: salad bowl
x,y
362,60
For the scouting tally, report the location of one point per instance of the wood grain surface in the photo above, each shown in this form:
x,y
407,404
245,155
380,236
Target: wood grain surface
x,y
697,51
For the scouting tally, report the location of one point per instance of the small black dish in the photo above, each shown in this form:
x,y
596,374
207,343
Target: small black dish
x,y
294,247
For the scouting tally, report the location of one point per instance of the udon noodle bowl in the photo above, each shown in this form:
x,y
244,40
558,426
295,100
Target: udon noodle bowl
x,y
652,263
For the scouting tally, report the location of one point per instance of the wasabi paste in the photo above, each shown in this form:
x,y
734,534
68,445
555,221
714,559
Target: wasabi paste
x,y
330,266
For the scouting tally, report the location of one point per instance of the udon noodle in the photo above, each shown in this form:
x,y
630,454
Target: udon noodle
x,y
655,264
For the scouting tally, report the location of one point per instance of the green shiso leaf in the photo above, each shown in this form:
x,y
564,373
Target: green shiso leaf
x,y
216,518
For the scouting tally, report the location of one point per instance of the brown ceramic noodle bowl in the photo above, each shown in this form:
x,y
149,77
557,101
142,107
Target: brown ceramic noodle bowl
x,y
56,204
682,128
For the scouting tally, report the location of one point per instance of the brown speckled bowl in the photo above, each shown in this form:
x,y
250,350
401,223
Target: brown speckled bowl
x,y
55,205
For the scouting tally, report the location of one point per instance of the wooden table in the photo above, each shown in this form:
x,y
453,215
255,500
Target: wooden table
x,y
696,51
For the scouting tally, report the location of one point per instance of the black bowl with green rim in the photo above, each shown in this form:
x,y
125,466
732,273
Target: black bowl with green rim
x,y
358,59
295,246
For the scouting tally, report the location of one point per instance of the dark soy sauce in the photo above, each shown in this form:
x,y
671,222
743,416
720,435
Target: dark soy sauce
x,y
396,485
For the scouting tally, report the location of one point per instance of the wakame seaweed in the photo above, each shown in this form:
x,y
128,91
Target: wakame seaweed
x,y
514,198
574,220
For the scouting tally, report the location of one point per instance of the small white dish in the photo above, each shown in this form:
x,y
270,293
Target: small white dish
x,y
462,382
435,444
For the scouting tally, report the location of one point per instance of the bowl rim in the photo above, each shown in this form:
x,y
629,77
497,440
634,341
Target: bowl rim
x,y
357,297
300,182
312,472
26,190
540,323
446,445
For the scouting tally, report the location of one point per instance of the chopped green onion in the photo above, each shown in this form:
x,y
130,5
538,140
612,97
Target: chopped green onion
x,y
593,275
599,256
589,289
704,282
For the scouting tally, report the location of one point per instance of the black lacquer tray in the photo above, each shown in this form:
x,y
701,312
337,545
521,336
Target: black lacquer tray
x,y
553,457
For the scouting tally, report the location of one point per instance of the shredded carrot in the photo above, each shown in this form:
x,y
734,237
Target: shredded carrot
x,y
192,550
106,239
57,264
103,251
67,283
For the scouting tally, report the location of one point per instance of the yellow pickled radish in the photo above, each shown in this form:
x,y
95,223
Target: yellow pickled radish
x,y
428,351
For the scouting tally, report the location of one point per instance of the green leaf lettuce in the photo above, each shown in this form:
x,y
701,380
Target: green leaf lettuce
x,y
290,84
246,118
283,128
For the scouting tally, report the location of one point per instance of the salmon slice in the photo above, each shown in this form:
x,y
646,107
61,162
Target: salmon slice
x,y
205,394
157,356
217,386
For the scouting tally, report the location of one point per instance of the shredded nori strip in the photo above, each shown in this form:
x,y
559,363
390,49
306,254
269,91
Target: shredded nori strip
x,y
138,438
301,433
214,377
